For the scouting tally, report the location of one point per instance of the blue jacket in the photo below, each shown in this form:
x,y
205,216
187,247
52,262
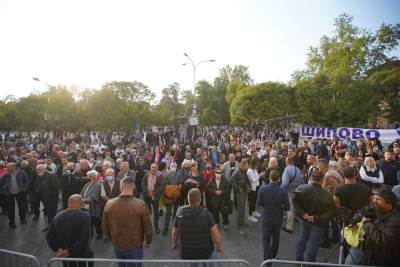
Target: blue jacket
x,y
291,178
274,200
22,181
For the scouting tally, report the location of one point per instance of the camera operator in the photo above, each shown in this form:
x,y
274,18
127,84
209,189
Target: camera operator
x,y
351,195
382,231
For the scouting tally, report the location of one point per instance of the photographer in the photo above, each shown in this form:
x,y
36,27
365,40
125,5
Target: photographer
x,y
382,235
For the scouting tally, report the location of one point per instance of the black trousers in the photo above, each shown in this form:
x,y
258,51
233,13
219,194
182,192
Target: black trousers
x,y
171,211
252,199
50,207
215,213
3,203
96,223
22,206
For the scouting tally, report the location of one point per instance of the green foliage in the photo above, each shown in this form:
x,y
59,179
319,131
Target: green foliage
x,y
262,101
386,84
334,90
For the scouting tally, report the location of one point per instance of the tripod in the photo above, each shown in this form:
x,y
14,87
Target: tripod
x,y
341,245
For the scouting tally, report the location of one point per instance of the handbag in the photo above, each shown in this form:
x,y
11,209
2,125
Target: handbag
x,y
227,207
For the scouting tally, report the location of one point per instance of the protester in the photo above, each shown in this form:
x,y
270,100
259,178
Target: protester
x,y
71,183
220,203
126,221
198,232
110,187
254,178
274,201
46,191
390,169
15,184
152,189
91,194
172,191
68,234
291,179
315,208
241,185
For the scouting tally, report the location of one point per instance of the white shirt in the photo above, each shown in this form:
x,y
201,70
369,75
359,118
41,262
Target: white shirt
x,y
254,178
371,179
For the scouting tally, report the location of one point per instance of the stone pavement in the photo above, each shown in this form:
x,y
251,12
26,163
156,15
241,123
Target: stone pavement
x,y
29,239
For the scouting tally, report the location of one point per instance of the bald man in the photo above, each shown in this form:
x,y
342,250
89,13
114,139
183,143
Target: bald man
x,y
69,233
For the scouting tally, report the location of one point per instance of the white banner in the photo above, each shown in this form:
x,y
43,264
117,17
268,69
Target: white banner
x,y
385,135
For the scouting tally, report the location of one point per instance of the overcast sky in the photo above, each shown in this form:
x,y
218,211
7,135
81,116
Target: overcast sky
x,y
87,43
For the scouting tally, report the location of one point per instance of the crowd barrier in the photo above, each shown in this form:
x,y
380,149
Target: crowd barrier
x,y
16,259
70,262
284,263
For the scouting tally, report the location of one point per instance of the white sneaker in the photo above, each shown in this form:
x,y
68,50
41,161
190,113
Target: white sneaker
x,y
252,219
256,214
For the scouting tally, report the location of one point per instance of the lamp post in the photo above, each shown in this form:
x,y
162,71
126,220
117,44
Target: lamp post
x,y
194,66
48,100
39,80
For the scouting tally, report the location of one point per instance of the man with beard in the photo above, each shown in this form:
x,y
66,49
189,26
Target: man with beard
x,y
382,235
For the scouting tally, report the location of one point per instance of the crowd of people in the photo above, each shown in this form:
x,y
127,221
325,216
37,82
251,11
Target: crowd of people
x,y
113,183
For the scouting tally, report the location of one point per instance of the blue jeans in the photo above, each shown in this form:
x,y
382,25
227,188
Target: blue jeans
x,y
133,254
271,233
310,237
355,254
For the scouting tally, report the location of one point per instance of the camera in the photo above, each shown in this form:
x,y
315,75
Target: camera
x,y
367,212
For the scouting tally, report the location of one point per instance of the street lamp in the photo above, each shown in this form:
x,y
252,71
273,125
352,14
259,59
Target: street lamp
x,y
49,86
38,80
194,65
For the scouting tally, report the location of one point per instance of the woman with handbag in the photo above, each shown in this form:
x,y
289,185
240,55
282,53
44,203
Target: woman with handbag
x,y
218,190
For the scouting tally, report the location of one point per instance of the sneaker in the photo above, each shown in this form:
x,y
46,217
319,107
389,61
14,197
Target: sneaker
x,y
256,214
252,219
242,232
226,227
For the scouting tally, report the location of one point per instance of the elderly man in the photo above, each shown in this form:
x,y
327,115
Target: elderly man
x,y
15,184
152,188
125,171
46,191
91,194
71,183
110,186
69,233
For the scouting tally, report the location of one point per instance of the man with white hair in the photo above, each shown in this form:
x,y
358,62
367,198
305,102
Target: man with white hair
x,y
125,171
46,191
110,187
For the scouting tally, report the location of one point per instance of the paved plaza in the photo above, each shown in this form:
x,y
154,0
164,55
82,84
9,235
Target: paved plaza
x,y
29,239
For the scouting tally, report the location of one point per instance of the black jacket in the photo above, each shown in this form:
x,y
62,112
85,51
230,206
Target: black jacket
x,y
382,240
71,230
217,201
316,201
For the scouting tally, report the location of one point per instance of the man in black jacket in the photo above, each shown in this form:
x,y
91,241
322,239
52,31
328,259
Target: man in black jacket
x,y
69,233
197,230
46,191
315,207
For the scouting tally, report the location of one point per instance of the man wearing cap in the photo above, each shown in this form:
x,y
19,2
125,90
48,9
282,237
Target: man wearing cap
x,y
382,235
